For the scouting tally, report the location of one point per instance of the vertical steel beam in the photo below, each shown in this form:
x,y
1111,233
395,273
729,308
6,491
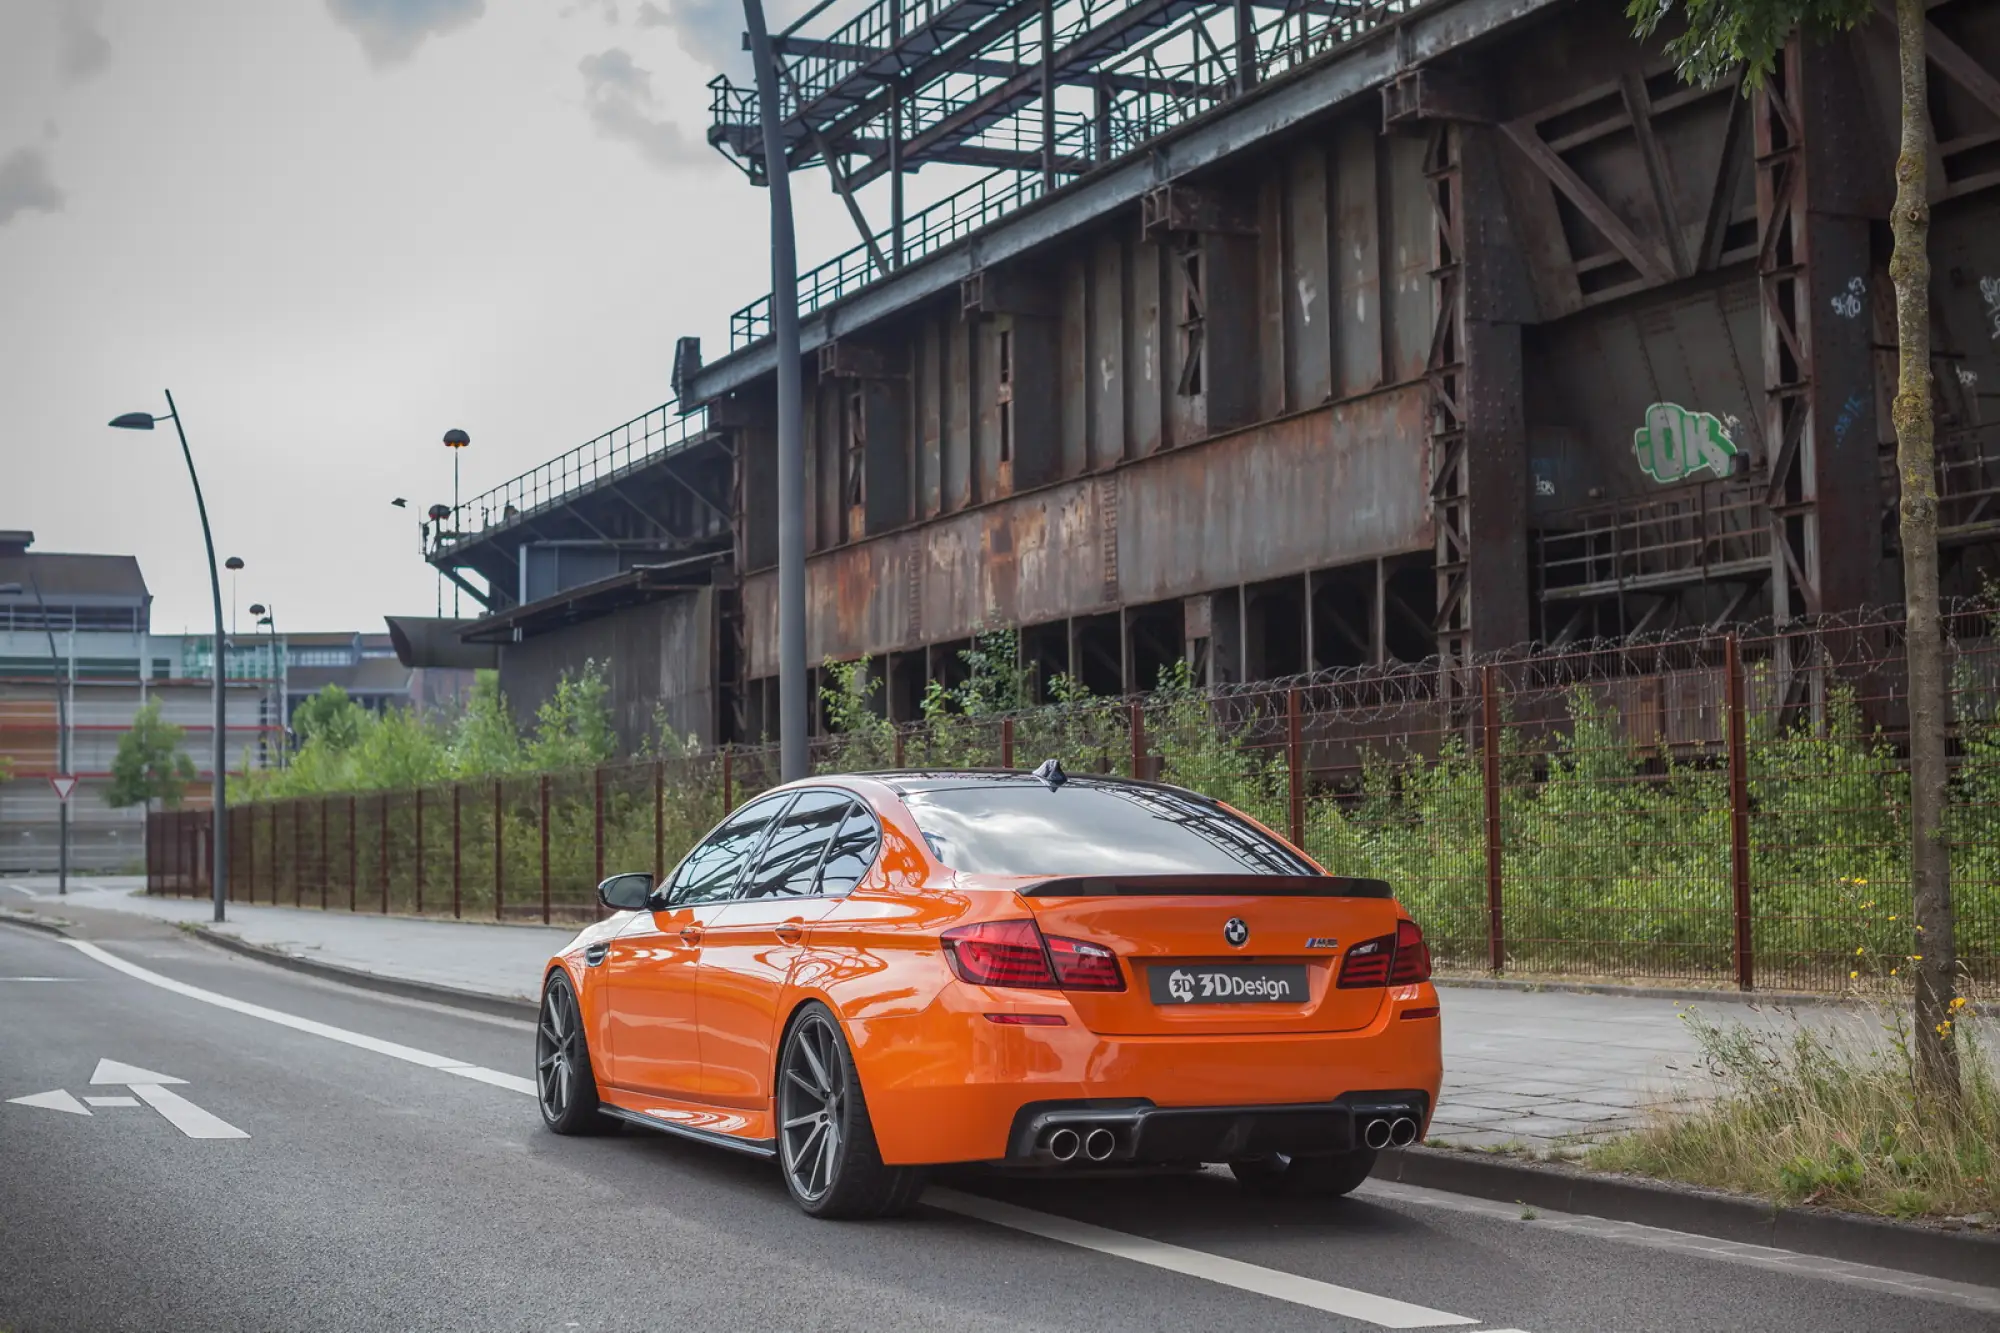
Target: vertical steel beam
x,y
1048,64
1739,816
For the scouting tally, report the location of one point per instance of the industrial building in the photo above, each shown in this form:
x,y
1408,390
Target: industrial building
x,y
77,653
1283,337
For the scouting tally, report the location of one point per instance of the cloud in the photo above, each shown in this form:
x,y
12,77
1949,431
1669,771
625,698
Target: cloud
x,y
84,49
604,9
25,183
619,97
711,31
392,30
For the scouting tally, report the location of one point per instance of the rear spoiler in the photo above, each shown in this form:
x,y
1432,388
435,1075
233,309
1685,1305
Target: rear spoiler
x,y
1207,886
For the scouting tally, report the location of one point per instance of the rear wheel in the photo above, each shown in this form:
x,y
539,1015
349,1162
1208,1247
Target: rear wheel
x,y
826,1143
565,1085
1325,1177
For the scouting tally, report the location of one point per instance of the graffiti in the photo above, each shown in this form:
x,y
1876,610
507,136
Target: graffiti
x,y
1307,294
1676,443
1848,304
1850,413
1543,486
1989,288
1967,377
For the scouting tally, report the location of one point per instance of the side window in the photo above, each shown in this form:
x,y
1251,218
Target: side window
x,y
852,852
797,845
712,869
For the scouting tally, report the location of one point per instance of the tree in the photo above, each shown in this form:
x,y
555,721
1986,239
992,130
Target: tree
x,y
1723,35
150,765
329,718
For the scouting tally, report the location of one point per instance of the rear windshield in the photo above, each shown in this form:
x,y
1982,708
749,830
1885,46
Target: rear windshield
x,y
1087,828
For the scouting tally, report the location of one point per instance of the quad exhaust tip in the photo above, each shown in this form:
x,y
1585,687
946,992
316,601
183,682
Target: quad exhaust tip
x,y
1376,1134
1098,1144
1403,1132
1064,1145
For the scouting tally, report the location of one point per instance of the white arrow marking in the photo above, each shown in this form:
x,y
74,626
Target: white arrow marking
x,y
184,1115
112,1101
52,1101
110,1071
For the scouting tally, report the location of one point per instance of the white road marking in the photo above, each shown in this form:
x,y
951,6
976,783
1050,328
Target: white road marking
x,y
22,888
40,978
1310,1292
110,1071
1911,1285
51,1101
394,1050
184,1115
111,1101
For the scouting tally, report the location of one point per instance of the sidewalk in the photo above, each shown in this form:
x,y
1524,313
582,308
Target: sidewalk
x,y
1536,1070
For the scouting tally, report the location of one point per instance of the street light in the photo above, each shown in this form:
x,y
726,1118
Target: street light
x,y
454,440
219,808
267,618
62,726
234,564
791,425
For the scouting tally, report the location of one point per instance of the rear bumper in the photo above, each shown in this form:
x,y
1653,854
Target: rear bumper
x,y
1142,1133
945,1084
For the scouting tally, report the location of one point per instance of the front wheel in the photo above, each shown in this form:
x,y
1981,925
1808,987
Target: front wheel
x,y
1326,1177
565,1086
826,1143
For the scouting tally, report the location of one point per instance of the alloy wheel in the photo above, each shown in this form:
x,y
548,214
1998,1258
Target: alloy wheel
x,y
556,1050
811,1100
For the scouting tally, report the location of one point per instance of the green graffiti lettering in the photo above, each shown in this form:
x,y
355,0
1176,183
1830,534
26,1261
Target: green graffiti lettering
x,y
1676,443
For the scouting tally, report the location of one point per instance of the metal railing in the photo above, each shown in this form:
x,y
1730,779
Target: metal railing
x,y
1692,534
640,440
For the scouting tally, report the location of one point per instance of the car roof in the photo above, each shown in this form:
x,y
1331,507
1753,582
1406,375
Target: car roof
x,y
915,781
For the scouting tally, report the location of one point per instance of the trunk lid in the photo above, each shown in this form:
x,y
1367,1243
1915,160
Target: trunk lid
x,y
1220,954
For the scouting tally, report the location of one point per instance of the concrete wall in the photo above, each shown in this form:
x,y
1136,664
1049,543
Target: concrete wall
x,y
661,655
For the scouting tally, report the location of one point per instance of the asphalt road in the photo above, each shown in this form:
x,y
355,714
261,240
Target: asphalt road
x,y
393,1174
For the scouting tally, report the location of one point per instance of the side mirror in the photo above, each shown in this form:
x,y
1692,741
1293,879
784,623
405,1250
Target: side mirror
x,y
626,893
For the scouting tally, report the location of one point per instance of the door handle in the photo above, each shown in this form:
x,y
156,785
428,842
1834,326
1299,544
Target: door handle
x,y
691,934
791,932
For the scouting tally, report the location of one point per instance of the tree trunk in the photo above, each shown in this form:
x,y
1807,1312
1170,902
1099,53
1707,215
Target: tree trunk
x,y
1930,855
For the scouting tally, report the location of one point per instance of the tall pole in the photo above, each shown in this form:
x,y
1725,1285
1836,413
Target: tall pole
x,y
62,735
791,438
456,528
218,835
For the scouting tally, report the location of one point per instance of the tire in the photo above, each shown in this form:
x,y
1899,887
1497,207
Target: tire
x,y
1327,1177
826,1143
565,1083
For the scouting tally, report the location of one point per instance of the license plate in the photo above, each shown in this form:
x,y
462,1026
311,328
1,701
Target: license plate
x,y
1228,983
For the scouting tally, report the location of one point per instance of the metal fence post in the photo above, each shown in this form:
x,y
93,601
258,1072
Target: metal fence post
x,y
420,853
325,854
457,846
298,854
1489,729
383,867
597,817
1739,815
250,851
1295,763
353,854
1006,742
900,738
1138,739
545,848
728,781
659,820
499,849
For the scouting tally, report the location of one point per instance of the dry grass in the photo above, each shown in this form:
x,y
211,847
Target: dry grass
x,y
1834,1118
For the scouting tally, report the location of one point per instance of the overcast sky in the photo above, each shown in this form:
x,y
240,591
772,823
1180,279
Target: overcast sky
x,y
336,229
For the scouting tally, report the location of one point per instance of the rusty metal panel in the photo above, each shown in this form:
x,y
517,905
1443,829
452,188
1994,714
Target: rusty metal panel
x,y
1357,258
1104,378
1409,258
1073,364
930,419
1185,415
1271,263
1309,304
1345,483
1144,358
985,349
957,383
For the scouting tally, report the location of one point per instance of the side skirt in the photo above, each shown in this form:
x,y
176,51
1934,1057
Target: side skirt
x,y
750,1147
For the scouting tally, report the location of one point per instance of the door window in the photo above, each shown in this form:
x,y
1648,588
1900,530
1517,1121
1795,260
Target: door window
x,y
711,870
852,852
791,858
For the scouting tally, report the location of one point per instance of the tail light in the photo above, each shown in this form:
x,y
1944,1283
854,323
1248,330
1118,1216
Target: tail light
x,y
1014,953
1413,956
1401,959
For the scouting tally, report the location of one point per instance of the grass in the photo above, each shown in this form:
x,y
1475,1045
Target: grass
x,y
1806,1116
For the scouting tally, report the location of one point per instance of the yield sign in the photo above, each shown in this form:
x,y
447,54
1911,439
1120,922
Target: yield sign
x,y
64,785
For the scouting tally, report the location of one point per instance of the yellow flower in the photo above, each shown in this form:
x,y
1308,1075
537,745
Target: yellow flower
x,y
1916,958
1860,881
1958,1002
1860,950
1852,975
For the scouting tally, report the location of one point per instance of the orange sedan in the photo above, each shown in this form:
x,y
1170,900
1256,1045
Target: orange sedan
x,y
865,976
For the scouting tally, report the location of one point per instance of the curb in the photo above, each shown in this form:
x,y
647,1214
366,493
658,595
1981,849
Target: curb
x,y
31,922
1771,999
354,976
1957,1256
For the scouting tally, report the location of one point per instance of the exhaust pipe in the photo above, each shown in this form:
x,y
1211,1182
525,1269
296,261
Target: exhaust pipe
x,y
1404,1132
1064,1145
1099,1143
1376,1133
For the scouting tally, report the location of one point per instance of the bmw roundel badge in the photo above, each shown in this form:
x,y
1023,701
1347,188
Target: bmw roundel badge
x,y
1236,932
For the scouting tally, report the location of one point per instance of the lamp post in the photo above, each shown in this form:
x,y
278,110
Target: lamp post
x,y
218,819
56,674
454,440
234,564
267,618
793,761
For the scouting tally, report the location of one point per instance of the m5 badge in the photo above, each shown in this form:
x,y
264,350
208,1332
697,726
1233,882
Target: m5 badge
x,y
1322,942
